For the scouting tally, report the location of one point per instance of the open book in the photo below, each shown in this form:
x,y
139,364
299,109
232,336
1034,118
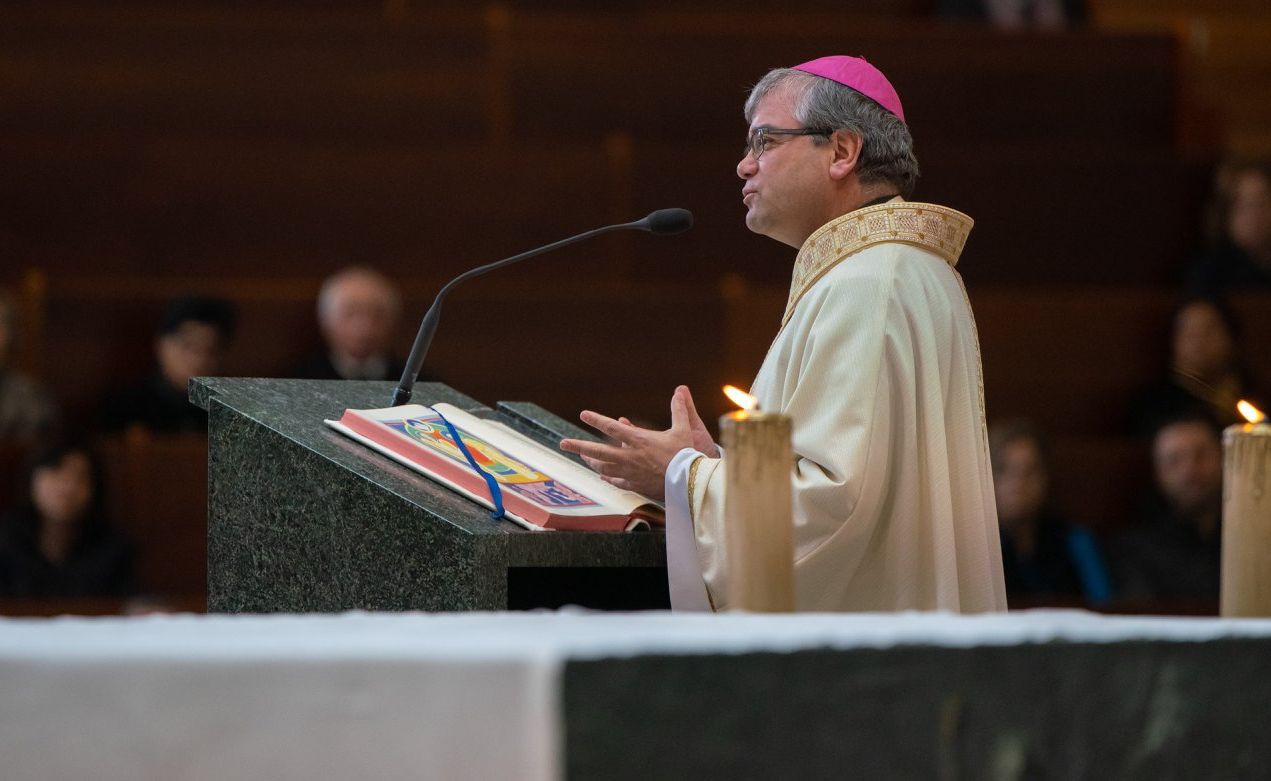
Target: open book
x,y
541,488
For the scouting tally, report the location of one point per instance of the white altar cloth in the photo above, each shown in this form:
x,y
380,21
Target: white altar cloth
x,y
368,696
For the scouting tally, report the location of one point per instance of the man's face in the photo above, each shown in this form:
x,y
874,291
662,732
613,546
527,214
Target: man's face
x,y
787,191
1188,462
61,492
1202,344
359,323
193,350
1020,482
1249,223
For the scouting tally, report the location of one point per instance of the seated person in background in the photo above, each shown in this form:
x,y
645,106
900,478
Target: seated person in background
x,y
1043,555
1016,14
26,409
56,542
1238,256
357,313
1175,550
191,342
1206,375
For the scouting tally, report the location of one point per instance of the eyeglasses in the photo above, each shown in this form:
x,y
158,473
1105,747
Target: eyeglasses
x,y
759,138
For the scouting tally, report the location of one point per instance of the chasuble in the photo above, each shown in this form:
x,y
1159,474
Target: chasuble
x,y
877,363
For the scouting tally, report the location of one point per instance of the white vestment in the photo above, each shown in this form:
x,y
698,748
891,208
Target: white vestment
x,y
877,363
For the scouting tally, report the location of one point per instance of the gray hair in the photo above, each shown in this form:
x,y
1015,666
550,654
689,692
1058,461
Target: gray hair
x,y
331,289
887,148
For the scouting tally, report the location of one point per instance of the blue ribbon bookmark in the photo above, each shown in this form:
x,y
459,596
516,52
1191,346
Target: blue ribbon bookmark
x,y
496,493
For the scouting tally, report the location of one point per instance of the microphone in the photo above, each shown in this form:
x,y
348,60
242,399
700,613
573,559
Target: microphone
x,y
666,222
663,222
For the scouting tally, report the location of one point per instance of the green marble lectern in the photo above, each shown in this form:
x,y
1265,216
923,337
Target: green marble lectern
x,y
302,519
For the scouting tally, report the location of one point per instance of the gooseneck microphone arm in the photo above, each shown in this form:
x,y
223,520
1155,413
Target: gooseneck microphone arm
x,y
663,221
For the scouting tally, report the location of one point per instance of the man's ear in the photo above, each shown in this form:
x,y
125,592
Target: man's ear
x,y
847,153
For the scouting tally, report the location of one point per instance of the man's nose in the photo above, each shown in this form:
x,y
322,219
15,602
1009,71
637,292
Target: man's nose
x,y
747,167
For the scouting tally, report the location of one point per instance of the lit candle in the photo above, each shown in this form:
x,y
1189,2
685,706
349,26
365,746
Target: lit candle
x,y
1246,516
758,519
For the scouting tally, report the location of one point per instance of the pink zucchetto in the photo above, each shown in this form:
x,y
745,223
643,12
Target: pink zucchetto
x,y
858,74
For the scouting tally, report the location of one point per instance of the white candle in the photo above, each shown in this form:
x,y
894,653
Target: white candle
x,y
1246,519
758,518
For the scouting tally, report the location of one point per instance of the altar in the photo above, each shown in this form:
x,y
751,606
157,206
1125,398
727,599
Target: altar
x,y
573,694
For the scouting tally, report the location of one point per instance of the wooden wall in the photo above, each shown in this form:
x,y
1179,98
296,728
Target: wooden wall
x,y
1226,76
206,139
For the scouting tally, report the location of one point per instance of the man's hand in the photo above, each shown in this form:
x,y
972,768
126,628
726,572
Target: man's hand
x,y
638,462
702,441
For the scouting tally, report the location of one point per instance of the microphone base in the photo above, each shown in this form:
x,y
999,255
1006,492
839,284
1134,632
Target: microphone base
x,y
401,396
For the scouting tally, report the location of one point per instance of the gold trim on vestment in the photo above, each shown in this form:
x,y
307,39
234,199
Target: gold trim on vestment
x,y
692,489
692,484
939,229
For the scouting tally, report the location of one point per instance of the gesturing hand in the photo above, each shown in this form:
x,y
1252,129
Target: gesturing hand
x,y
702,441
638,462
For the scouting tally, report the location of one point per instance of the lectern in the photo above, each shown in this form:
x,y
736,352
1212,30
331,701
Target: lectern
x,y
302,519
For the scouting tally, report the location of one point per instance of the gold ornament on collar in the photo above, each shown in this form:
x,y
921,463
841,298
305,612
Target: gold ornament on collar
x,y
939,229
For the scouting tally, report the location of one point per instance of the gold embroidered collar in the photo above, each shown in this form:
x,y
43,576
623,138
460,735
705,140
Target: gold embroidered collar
x,y
940,229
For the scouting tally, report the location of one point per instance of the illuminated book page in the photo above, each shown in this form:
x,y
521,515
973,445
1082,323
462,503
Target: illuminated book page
x,y
512,474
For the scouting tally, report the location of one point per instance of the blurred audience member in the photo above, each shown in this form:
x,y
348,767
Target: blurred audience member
x,y
26,409
56,542
1017,14
191,342
1043,555
1239,253
1175,551
1206,374
357,313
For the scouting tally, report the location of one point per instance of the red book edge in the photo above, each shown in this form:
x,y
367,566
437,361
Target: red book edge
x,y
446,471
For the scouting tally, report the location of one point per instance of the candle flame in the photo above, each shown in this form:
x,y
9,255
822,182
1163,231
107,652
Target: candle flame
x,y
1251,413
740,397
